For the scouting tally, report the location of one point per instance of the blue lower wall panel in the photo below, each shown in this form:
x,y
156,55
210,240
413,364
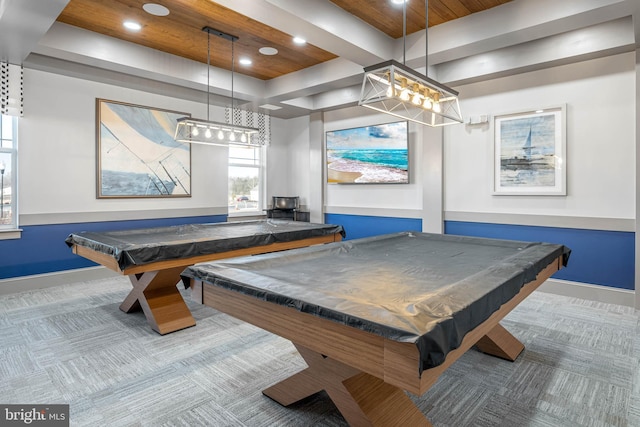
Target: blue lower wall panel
x,y
358,226
42,249
598,257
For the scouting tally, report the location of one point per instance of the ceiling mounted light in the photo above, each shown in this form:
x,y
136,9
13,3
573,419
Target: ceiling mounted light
x,y
393,88
155,9
268,50
198,131
299,40
132,25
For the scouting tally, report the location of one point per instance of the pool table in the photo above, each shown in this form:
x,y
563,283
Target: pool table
x,y
379,316
153,258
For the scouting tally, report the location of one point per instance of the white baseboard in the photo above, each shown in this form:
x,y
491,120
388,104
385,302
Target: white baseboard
x,y
598,293
42,281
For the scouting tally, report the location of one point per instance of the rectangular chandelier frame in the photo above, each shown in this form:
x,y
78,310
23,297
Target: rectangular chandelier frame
x,y
199,131
393,88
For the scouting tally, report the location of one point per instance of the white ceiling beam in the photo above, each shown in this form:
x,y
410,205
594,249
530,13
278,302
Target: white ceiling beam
x,y
510,24
86,47
23,23
586,43
322,24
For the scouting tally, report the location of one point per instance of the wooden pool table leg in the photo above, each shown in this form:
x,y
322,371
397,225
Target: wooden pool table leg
x,y
500,343
158,296
362,399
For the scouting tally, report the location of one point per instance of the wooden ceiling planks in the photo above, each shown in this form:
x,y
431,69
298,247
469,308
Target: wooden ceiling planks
x,y
181,33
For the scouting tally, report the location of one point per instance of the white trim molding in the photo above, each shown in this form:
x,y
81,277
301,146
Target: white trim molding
x,y
78,217
42,281
394,213
590,292
587,223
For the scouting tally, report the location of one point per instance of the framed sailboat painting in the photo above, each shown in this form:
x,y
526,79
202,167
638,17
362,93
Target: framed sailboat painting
x,y
137,153
530,153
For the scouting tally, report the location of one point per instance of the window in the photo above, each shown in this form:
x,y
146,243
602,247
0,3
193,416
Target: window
x,y
246,180
8,174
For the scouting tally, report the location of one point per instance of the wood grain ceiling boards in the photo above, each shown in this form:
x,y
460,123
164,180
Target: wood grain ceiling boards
x,y
181,33
387,17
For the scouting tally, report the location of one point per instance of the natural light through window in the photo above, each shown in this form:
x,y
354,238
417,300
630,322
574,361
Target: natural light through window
x,y
245,181
8,137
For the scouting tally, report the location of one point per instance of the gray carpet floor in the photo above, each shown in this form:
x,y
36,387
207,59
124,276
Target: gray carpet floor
x,y
71,344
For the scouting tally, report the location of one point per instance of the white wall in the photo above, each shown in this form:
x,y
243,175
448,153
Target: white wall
x,y
299,149
58,149
288,164
600,100
277,155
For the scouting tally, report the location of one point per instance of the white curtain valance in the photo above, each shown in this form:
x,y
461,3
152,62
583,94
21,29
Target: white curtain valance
x,y
11,89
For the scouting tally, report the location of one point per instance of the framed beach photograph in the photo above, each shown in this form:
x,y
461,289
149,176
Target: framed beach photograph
x,y
137,155
530,153
376,154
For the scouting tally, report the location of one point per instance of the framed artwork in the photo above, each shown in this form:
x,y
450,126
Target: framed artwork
x,y
368,155
137,155
530,153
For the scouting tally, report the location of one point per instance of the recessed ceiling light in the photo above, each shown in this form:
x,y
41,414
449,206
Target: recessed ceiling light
x,y
155,9
270,107
399,1
245,61
132,25
268,50
299,40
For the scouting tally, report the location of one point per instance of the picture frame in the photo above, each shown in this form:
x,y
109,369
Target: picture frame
x,y
137,155
529,152
376,154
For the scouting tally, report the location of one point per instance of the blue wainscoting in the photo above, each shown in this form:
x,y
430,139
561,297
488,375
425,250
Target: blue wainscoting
x,y
358,226
598,257
42,249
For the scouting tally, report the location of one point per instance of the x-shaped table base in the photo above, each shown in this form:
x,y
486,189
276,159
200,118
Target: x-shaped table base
x,y
157,294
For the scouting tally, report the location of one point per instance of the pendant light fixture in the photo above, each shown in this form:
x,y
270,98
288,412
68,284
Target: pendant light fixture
x,y
393,88
198,131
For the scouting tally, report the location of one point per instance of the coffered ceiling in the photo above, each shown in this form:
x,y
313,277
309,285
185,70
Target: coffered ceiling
x,y
468,41
180,33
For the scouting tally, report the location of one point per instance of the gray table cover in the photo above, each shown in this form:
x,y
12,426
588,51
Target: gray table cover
x,y
147,245
427,289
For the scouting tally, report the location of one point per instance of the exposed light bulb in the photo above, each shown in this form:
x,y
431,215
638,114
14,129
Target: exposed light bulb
x,y
436,102
243,138
195,131
427,103
207,133
232,136
404,94
220,134
416,95
390,91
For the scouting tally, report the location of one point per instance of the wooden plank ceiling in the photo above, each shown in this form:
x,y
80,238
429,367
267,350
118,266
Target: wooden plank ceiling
x,y
180,33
